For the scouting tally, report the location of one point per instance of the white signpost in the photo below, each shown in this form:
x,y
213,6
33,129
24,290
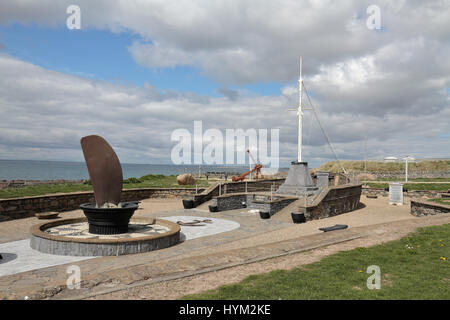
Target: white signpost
x,y
396,193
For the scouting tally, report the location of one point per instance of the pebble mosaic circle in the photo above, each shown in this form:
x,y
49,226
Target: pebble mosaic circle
x,y
71,237
80,230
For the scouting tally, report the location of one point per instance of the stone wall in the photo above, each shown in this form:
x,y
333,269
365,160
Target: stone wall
x,y
333,201
235,187
231,202
17,208
273,206
426,208
401,174
412,194
252,201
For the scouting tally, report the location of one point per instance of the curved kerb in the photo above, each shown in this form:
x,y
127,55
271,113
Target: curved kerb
x,y
68,246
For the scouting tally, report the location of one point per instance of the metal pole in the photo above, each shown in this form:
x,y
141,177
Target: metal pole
x,y
300,115
365,160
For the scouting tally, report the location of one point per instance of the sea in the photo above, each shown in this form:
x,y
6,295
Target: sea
x,y
61,170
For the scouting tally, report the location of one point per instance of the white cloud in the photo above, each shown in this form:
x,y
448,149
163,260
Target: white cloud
x,y
389,85
45,113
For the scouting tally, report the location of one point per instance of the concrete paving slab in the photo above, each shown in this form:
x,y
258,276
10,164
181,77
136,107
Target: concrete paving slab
x,y
19,257
208,229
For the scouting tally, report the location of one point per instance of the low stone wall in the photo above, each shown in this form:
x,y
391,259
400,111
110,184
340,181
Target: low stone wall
x,y
252,201
333,201
272,206
426,208
17,208
235,187
410,193
401,174
231,202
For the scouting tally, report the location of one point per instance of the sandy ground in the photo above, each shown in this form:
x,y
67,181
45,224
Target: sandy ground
x,y
373,211
384,222
175,289
381,221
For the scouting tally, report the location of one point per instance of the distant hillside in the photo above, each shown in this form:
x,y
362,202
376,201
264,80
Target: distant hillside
x,y
379,166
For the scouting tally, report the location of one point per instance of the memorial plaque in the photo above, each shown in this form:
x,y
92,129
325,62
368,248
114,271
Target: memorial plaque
x,y
260,198
396,193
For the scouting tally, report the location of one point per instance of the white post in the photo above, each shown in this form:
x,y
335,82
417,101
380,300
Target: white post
x,y
300,115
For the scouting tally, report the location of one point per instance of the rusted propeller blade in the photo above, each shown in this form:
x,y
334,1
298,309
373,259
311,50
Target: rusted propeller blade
x,y
104,169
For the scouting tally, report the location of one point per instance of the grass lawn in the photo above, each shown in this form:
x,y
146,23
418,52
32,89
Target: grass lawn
x,y
148,181
415,267
414,186
441,200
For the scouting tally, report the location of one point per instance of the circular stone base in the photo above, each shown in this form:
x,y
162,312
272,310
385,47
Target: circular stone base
x,y
71,237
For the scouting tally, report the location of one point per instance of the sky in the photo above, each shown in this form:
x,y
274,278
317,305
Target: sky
x,y
138,70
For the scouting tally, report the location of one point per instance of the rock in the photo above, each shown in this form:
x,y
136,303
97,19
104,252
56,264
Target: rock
x,y
185,179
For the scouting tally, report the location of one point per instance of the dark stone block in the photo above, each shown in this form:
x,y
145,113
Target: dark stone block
x,y
298,217
188,204
264,214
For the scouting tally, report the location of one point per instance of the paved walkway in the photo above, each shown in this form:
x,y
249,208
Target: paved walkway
x,y
253,242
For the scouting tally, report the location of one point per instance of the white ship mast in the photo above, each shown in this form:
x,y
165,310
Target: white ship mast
x,y
300,114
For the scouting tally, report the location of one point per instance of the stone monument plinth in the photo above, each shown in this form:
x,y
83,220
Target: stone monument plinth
x,y
298,181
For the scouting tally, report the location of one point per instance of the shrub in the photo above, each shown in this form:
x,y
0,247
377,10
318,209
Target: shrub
x,y
132,180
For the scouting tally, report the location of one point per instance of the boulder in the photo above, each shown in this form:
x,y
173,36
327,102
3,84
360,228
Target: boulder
x,y
185,179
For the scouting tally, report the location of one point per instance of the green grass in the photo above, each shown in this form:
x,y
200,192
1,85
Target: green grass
x,y
42,189
411,268
414,186
148,181
441,200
